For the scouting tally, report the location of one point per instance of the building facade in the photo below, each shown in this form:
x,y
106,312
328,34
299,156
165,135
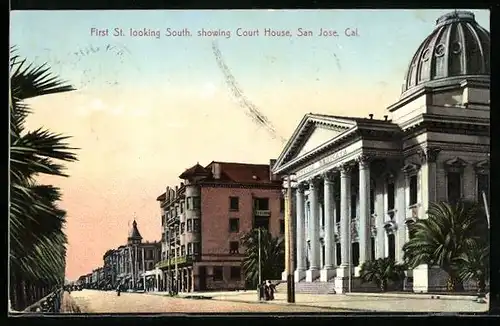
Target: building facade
x,y
358,182
134,259
205,217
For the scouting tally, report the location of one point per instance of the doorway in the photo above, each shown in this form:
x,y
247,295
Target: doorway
x,y
202,276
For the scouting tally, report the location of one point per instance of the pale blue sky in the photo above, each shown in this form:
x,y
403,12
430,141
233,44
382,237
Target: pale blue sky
x,y
172,94
388,39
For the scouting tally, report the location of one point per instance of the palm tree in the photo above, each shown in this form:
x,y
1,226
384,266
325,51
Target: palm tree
x,y
37,239
441,239
272,256
475,265
381,271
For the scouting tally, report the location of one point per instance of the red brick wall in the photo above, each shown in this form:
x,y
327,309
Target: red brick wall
x,y
215,215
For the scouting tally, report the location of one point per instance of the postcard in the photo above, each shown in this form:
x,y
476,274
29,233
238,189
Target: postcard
x,y
270,161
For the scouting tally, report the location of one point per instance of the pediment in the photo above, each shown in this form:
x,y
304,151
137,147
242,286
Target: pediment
x,y
456,162
312,132
318,136
411,168
482,166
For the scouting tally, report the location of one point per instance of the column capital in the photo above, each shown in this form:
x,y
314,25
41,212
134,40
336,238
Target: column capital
x,y
364,160
346,168
313,182
328,176
429,154
301,186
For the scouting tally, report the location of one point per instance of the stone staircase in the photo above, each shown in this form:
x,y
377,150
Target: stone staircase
x,y
315,287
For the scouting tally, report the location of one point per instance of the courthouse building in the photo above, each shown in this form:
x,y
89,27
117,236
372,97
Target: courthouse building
x,y
360,181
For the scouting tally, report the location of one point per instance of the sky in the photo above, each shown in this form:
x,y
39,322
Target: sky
x,y
147,108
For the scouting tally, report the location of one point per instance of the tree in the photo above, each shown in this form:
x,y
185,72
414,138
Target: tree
x,y
475,265
381,271
444,237
36,224
272,256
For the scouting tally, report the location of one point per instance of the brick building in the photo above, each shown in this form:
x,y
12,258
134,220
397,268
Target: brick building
x,y
205,217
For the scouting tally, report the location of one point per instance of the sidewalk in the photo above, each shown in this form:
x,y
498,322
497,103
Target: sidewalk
x,y
366,302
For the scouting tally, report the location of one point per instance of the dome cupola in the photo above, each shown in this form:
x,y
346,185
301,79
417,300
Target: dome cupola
x,y
457,47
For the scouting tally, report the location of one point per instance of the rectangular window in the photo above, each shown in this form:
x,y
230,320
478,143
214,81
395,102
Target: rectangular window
x,y
182,227
234,247
196,225
218,273
190,248
196,248
282,226
196,202
234,203
483,184
353,206
189,203
391,240
337,210
355,254
391,196
189,225
178,251
413,190
282,205
235,273
338,254
183,250
372,201
261,204
372,239
454,186
234,225
261,222
182,207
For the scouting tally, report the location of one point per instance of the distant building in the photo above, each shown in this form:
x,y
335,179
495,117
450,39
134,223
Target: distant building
x,y
361,182
205,217
128,263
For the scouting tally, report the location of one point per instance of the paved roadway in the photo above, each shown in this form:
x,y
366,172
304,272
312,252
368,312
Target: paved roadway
x,y
91,301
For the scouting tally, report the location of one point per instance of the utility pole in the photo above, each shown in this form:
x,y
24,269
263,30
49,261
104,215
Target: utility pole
x,y
131,265
486,208
260,265
350,255
169,246
176,266
143,269
288,221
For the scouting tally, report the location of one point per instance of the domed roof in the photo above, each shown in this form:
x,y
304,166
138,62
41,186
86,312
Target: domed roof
x,y
458,46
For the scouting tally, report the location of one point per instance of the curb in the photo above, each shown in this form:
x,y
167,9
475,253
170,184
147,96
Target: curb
x,y
416,296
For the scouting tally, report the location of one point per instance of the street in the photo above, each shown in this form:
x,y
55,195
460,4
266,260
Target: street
x,y
91,301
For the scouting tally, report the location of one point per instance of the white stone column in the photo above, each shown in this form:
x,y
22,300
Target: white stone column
x,y
301,233
428,182
380,217
328,270
313,272
364,211
341,280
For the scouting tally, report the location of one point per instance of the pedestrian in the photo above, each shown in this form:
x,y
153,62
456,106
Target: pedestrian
x,y
270,289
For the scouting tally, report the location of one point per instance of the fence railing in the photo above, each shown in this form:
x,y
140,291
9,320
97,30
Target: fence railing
x,y
51,303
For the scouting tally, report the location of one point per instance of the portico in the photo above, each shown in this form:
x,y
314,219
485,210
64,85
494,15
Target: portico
x,y
336,196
